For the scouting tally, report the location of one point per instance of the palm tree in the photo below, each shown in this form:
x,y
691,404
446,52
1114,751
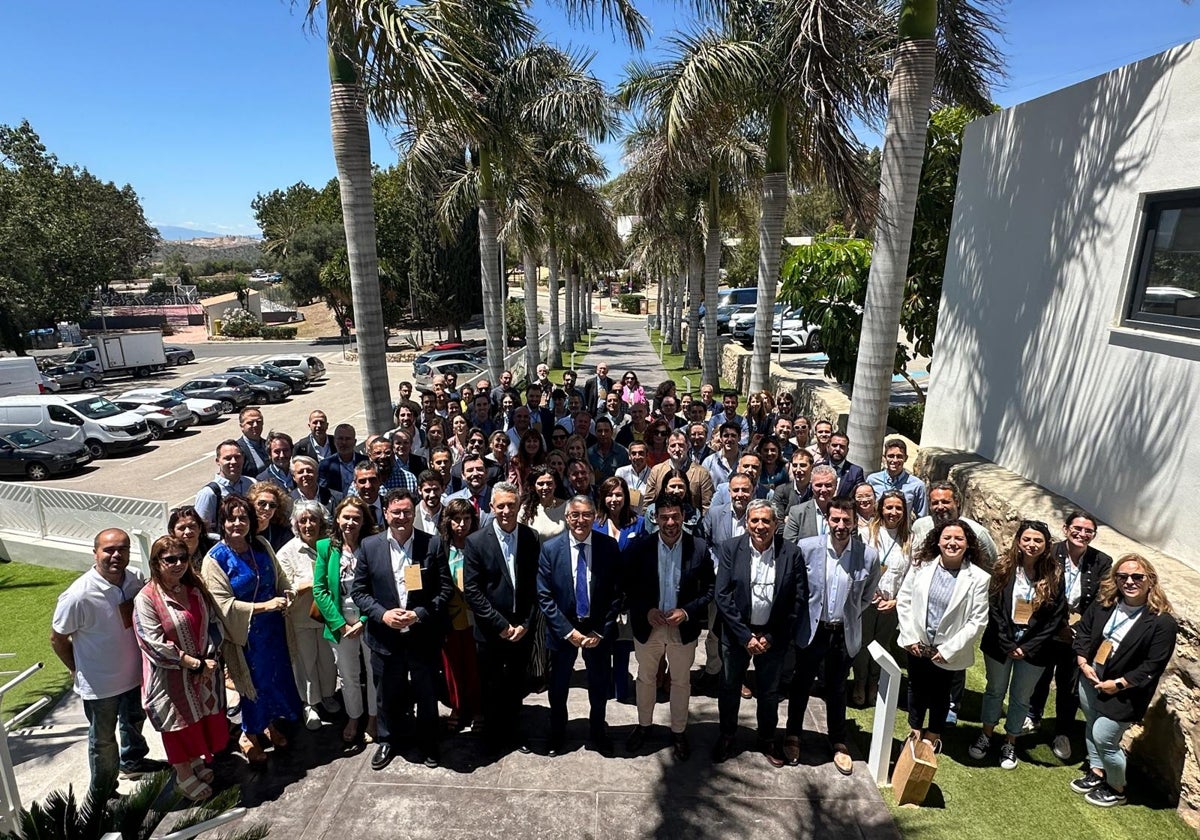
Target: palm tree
x,y
960,69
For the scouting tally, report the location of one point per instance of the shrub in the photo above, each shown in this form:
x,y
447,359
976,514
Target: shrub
x,y
239,323
908,420
630,303
279,332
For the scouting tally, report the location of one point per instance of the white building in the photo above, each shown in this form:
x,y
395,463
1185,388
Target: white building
x,y
1068,344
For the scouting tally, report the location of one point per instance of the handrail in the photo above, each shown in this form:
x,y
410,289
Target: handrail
x,y
885,713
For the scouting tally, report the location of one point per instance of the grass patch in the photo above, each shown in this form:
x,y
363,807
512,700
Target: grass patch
x,y
673,364
583,346
29,595
979,800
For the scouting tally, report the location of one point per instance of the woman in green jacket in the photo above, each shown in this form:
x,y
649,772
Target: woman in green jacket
x,y
344,625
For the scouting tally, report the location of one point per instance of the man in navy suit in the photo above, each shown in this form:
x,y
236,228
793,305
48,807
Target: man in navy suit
x,y
404,591
337,471
579,589
842,576
849,475
669,581
500,567
761,583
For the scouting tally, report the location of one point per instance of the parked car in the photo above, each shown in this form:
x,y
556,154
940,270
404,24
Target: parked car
x,y
292,377
164,415
261,389
310,366
36,456
103,427
74,376
177,355
729,301
739,318
231,397
203,410
466,371
50,385
421,363
791,332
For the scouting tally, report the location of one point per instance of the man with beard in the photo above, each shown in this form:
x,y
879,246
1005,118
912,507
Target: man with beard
x,y
699,480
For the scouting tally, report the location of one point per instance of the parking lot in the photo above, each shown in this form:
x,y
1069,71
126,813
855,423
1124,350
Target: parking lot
x,y
172,469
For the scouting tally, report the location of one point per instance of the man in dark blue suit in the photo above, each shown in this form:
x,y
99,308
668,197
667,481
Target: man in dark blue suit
x,y
500,567
849,475
579,589
337,471
761,583
403,590
669,581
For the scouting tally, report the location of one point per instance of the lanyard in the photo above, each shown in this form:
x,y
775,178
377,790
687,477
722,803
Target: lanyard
x,y
1114,625
883,560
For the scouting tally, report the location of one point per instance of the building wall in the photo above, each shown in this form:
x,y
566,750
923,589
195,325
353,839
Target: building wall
x,y
1033,369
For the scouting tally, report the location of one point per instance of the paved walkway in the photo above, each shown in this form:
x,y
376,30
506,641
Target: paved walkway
x,y
624,344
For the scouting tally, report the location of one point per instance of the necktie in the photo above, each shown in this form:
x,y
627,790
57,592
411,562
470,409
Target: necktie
x,y
582,604
475,503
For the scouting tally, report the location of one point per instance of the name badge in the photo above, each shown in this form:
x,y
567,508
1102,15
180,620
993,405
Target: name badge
x,y
458,578
1074,618
1102,653
412,578
1023,611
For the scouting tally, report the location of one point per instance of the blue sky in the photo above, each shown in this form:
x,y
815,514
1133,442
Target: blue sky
x,y
201,105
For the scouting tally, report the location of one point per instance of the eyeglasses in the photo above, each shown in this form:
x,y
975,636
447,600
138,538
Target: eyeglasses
x,y
172,559
1083,532
575,516
1136,577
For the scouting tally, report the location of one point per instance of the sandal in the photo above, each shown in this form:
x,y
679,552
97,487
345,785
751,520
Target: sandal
x,y
194,789
251,750
277,738
201,770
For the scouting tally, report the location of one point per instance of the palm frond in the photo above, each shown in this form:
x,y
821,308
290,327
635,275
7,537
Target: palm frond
x,y
968,60
618,14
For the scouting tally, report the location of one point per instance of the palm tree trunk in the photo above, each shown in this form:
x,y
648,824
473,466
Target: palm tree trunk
x,y
352,155
903,151
581,325
532,345
712,278
588,308
677,309
770,246
489,265
555,355
695,278
569,311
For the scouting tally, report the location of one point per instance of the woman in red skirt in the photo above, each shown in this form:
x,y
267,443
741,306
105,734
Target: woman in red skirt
x,y
459,520
179,632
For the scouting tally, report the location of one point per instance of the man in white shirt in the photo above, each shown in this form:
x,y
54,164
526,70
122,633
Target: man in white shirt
x,y
429,511
92,633
636,473
723,462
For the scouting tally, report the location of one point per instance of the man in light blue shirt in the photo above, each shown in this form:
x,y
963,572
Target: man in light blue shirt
x,y
895,477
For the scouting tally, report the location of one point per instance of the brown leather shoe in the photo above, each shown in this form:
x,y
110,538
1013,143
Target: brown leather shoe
x,y
770,749
791,750
842,760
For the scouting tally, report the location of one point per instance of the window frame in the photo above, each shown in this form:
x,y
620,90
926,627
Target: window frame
x,y
1153,205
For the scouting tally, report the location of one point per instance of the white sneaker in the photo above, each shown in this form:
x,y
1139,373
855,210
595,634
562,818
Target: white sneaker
x,y
1030,725
1062,747
1008,756
312,720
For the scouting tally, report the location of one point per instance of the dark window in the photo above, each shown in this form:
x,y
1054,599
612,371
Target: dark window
x,y
1166,284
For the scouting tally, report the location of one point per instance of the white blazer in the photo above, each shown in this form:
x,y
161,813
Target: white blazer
x,y
962,624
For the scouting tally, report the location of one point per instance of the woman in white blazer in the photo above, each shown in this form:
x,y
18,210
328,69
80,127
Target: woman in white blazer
x,y
942,608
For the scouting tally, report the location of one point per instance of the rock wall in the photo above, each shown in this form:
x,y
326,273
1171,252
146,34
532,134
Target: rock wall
x,y
1166,747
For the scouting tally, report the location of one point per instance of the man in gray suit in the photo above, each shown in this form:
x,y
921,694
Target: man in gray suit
x,y
787,496
842,576
807,519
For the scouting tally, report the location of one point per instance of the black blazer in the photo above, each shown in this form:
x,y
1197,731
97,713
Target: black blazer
x,y
329,472
697,583
487,587
374,592
556,589
1140,659
999,637
733,591
591,391
1093,568
304,446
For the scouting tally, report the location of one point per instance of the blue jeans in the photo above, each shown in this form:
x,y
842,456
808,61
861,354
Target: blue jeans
x,y
1103,738
104,717
1016,678
735,661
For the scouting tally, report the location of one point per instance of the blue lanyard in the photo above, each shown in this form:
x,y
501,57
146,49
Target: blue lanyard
x,y
1114,625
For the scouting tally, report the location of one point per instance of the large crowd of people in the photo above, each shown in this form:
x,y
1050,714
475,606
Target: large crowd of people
x,y
474,552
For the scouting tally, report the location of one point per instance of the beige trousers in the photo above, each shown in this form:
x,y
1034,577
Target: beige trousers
x,y
664,641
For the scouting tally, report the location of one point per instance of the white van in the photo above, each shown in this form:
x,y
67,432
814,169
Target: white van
x,y
103,427
20,376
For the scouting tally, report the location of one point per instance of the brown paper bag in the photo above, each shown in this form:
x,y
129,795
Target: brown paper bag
x,y
914,772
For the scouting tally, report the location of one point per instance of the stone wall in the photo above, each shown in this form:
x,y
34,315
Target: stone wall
x,y
1166,747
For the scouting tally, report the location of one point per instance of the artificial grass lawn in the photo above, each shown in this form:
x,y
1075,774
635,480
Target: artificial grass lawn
x,y
673,363
976,799
27,597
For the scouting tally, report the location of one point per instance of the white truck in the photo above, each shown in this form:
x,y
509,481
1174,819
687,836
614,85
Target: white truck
x,y
136,353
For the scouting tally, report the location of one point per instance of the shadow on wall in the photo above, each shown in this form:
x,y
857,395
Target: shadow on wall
x,y
1038,402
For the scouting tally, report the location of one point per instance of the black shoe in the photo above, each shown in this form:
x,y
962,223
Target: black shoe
x,y
557,747
681,747
722,749
524,748
1088,782
142,767
1105,797
636,739
384,754
430,759
603,744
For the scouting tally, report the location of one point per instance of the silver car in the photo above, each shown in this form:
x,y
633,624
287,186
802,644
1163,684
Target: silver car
x,y
163,415
75,376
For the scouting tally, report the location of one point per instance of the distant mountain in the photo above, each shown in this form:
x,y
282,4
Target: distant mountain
x,y
175,234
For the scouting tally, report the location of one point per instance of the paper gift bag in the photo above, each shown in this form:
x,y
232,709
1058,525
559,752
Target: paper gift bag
x,y
914,772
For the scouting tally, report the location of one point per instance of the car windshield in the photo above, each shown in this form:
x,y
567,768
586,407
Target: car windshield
x,y
277,370
96,408
26,438
252,378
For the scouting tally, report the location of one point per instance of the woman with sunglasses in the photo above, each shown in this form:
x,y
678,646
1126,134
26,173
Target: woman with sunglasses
x,y
273,508
656,442
631,391
785,405
179,632
558,439
1083,569
250,592
1122,646
1025,608
185,524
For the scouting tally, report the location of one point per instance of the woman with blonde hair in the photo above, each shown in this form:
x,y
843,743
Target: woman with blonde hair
x,y
1122,644
1026,605
273,507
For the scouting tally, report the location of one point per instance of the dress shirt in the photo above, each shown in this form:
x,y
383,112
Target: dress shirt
x,y
837,582
1073,580
347,469
635,480
320,451
670,567
508,547
428,522
941,587
737,524
401,557
762,584
587,553
719,468
283,479
398,479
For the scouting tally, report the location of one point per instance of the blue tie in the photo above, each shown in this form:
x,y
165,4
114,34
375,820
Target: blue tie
x,y
583,606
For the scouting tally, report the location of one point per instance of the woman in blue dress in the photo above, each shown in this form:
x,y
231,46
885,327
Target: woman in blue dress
x,y
252,595
616,517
